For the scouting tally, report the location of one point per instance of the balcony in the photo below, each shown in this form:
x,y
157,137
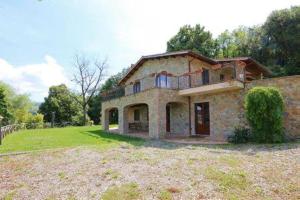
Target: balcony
x,y
189,84
230,85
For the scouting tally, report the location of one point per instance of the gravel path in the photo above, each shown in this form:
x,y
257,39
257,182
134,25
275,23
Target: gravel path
x,y
184,171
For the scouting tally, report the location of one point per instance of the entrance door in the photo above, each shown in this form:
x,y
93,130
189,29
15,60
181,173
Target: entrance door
x,y
202,118
168,118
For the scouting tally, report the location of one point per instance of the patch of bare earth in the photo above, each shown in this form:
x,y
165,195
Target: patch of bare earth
x,y
158,170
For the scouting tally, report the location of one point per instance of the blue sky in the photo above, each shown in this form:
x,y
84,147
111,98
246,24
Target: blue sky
x,y
38,39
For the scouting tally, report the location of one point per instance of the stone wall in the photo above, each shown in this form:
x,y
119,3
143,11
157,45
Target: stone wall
x,y
227,109
290,89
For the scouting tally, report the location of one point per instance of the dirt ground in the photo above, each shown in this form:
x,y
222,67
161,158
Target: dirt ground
x,y
160,170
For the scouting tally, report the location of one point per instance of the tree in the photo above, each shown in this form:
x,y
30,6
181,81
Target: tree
x,y
193,38
94,110
283,39
61,102
4,108
18,105
243,41
87,78
226,45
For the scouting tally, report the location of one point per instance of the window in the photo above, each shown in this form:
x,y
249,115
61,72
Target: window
x,y
205,77
162,80
136,115
137,87
221,77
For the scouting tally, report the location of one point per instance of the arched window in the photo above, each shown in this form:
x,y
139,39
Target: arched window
x,y
137,87
162,81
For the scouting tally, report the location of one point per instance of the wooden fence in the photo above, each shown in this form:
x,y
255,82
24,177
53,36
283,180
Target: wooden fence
x,y
5,130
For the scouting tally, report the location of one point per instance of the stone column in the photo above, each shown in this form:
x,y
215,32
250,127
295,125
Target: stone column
x,y
105,119
123,120
157,116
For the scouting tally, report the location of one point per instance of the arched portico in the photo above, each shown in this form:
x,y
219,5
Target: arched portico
x,y
111,116
136,118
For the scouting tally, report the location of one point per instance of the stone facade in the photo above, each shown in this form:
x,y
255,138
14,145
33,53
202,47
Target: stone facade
x,y
226,109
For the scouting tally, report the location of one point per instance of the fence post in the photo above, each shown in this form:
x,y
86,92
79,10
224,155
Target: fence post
x,y
0,136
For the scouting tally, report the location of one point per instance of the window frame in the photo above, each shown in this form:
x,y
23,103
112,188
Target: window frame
x,y
162,81
205,77
137,87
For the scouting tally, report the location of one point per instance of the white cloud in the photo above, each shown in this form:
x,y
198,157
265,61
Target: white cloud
x,y
34,79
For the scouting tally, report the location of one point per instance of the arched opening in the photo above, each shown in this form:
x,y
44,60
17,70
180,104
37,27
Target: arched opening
x,y
227,73
137,118
112,117
177,118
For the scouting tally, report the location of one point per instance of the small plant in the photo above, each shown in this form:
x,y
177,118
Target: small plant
x,y
241,135
128,191
165,195
264,111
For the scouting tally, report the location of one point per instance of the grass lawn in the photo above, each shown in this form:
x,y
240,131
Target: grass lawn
x,y
139,169
29,140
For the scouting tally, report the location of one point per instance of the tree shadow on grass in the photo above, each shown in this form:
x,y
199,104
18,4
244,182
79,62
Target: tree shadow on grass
x,y
109,137
248,149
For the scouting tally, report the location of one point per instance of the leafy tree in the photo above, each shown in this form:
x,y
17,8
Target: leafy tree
x,y
226,45
61,102
18,105
94,111
282,31
264,111
193,38
4,108
243,41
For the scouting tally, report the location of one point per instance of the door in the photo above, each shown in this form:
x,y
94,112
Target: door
x,y
202,118
168,118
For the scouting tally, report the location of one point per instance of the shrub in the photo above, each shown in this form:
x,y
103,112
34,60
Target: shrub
x,y
34,121
264,110
241,135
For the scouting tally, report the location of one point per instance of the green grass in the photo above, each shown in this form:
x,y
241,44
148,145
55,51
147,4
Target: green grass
x,y
165,195
232,184
39,139
128,191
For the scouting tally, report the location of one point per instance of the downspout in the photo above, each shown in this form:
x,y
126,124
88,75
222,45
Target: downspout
x,y
189,99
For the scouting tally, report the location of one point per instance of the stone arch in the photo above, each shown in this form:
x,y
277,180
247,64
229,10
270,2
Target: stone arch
x,y
136,118
111,117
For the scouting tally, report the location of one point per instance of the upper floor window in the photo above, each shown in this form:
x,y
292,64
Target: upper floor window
x,y
162,80
205,77
137,87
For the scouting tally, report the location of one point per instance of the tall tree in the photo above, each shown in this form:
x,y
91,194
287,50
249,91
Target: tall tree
x,y
61,102
283,39
94,110
193,38
87,78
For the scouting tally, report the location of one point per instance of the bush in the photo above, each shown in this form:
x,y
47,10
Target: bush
x,y
35,121
264,110
241,135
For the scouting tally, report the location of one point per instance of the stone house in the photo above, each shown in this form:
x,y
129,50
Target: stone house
x,y
186,94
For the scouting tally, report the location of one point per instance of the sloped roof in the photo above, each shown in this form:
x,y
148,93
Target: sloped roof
x,y
250,64
143,59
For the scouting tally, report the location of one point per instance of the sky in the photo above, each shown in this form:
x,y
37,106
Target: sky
x,y
38,38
